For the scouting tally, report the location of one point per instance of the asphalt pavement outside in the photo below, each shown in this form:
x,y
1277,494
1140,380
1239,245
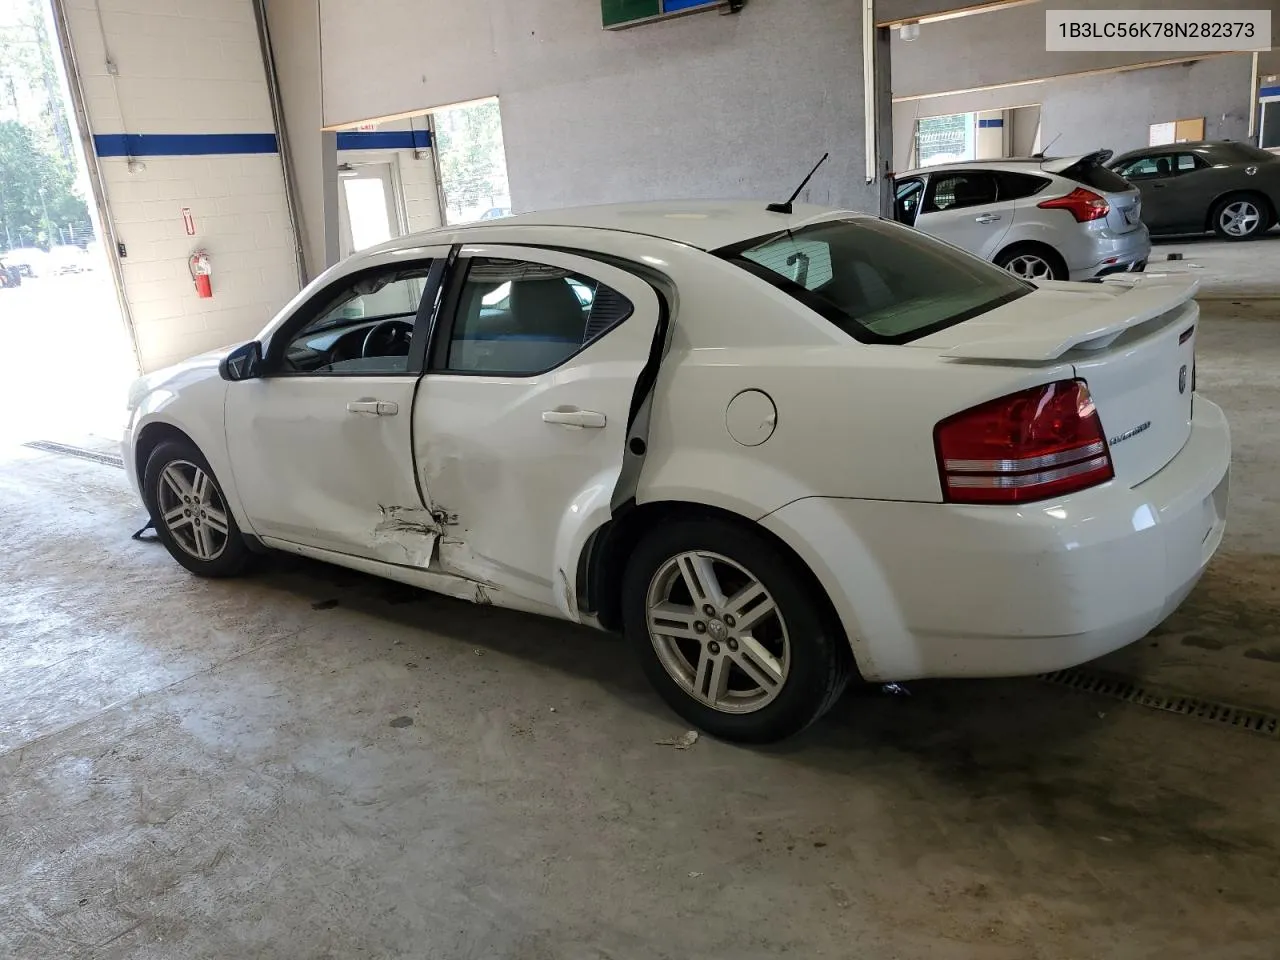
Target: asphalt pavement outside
x,y
311,763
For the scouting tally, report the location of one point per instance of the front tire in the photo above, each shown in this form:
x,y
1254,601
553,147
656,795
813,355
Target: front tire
x,y
190,511
1240,217
734,638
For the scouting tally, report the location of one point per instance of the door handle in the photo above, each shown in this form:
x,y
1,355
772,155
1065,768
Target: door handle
x,y
574,418
1159,186
988,218
374,408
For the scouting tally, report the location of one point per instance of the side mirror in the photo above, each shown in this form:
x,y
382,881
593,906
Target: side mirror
x,y
242,363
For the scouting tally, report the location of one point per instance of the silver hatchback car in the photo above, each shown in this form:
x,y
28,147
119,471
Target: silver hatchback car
x,y
1067,218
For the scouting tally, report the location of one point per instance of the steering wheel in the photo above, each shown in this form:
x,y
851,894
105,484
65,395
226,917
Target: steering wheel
x,y
385,336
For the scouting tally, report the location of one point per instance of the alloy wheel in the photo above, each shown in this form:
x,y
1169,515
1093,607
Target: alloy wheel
x,y
192,510
718,632
1240,219
1029,266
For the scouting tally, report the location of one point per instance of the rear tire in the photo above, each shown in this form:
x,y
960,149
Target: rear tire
x,y
735,639
1033,261
1241,216
190,512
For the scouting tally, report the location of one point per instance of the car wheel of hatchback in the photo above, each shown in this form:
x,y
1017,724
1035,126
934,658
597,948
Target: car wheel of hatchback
x,y
190,512
1032,263
735,639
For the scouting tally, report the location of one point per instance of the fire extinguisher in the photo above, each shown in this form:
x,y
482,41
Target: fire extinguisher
x,y
201,273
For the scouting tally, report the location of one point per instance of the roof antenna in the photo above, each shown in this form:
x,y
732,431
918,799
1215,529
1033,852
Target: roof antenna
x,y
1044,150
787,207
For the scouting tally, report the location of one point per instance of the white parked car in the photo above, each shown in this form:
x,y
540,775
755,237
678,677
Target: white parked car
x,y
772,449
1068,218
68,258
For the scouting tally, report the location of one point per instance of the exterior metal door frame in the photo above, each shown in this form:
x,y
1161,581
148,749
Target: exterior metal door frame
x,y
111,241
398,214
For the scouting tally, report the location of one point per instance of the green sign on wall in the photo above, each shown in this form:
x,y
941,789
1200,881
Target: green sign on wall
x,y
627,13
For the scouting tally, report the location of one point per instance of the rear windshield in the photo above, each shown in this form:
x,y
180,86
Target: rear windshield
x,y
1100,178
879,282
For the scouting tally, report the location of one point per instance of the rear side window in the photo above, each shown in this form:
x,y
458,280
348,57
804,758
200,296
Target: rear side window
x,y
1092,175
960,189
520,318
1147,167
1017,186
876,280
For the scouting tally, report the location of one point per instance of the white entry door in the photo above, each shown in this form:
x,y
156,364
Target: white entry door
x,y
368,206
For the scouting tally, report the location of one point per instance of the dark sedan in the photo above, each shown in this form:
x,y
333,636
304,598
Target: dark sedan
x,y
1230,188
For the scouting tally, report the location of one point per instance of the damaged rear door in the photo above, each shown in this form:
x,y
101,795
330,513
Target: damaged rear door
x,y
321,442
521,423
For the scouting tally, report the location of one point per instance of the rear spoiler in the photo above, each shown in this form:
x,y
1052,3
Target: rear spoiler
x,y
1094,328
1096,159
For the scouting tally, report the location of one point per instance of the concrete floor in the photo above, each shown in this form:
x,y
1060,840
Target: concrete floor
x,y
315,764
1226,270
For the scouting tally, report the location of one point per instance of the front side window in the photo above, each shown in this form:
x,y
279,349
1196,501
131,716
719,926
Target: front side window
x,y
520,318
955,191
361,327
907,195
877,281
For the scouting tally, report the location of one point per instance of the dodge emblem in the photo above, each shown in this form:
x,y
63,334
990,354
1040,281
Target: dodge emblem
x,y
1182,379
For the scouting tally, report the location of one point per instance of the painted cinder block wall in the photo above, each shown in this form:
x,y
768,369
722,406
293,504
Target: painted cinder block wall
x,y
1216,88
1008,46
190,99
413,166
983,54
703,106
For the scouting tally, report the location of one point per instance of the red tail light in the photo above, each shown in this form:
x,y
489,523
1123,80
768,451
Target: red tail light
x,y
1084,205
1040,443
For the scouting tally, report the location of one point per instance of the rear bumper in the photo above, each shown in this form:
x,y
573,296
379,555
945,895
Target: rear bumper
x,y
943,590
1139,266
1114,254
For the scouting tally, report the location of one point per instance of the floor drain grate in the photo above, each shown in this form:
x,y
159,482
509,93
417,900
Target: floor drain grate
x,y
48,446
1118,688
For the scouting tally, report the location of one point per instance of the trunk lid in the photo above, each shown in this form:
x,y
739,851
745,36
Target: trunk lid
x,y
1088,170
1132,339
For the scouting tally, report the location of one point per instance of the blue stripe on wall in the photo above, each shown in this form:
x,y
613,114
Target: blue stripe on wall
x,y
1269,92
385,140
991,123
182,144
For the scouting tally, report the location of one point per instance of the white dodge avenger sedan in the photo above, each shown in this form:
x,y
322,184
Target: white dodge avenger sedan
x,y
771,448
